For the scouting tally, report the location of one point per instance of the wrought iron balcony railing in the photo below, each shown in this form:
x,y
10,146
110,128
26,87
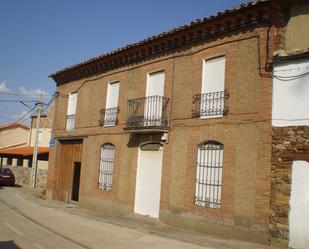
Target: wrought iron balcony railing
x,y
210,104
70,122
147,112
109,116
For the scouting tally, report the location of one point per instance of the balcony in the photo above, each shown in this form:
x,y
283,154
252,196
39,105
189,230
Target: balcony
x,y
210,105
148,113
109,116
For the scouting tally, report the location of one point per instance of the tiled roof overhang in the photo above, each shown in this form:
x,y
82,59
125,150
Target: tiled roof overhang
x,y
253,13
23,151
10,126
292,55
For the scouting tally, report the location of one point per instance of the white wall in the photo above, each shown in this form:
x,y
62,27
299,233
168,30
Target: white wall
x,y
291,98
13,137
299,206
44,137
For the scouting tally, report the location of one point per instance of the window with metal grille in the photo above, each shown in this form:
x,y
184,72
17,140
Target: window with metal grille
x,y
106,166
209,174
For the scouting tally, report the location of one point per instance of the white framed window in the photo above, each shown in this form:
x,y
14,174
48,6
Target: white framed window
x,y
212,93
209,165
106,169
154,101
111,106
72,102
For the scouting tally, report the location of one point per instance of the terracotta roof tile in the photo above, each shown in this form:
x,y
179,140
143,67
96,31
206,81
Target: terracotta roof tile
x,y
8,126
24,151
169,32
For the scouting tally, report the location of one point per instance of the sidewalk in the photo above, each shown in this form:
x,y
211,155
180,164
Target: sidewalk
x,y
49,213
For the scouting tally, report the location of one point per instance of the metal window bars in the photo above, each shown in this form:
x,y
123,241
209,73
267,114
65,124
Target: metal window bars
x,y
147,112
70,122
210,104
209,175
106,167
109,116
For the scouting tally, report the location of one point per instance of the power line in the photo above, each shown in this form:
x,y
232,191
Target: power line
x,y
17,101
22,102
22,119
26,95
24,116
291,77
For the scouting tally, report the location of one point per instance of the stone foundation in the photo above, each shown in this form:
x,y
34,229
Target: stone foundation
x,y
288,144
23,176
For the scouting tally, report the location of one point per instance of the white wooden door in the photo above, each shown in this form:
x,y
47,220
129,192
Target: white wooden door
x,y
299,206
212,83
153,104
148,182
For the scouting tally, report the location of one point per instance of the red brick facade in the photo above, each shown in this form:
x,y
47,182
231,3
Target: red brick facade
x,y
245,132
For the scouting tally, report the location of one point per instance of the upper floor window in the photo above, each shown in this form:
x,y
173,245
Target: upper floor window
x,y
154,101
106,166
110,112
71,111
210,103
209,165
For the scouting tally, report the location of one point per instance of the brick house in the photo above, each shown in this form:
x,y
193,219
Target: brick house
x,y
177,126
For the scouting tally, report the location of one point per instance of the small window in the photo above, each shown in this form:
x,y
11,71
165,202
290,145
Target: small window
x,y
106,167
209,174
40,137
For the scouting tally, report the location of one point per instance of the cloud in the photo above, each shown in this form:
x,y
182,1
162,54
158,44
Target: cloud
x,y
3,87
32,92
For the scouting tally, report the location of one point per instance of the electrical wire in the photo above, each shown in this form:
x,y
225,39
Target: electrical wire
x,y
17,101
22,119
24,116
26,95
290,78
294,76
54,96
22,102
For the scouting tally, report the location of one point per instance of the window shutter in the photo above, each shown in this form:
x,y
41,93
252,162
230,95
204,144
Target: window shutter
x,y
72,103
112,95
213,75
155,84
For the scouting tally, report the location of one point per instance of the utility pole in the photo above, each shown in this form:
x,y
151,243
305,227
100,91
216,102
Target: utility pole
x,y
35,150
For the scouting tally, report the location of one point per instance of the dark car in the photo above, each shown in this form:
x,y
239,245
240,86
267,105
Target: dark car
x,y
7,177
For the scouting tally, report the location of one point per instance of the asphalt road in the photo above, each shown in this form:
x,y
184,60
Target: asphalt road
x,y
20,231
28,223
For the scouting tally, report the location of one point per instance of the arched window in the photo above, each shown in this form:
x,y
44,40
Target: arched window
x,y
209,165
106,166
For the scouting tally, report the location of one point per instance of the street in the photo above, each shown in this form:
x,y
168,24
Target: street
x,y
25,223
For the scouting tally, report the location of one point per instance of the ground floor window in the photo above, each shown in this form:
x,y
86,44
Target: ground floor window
x,y
106,166
209,165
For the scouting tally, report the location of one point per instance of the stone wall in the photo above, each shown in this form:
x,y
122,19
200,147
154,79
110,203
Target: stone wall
x,y
288,144
23,176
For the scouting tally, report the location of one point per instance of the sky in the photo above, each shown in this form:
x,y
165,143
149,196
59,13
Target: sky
x,y
39,37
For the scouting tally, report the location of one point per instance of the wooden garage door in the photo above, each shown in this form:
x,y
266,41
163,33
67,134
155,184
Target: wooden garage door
x,y
70,152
